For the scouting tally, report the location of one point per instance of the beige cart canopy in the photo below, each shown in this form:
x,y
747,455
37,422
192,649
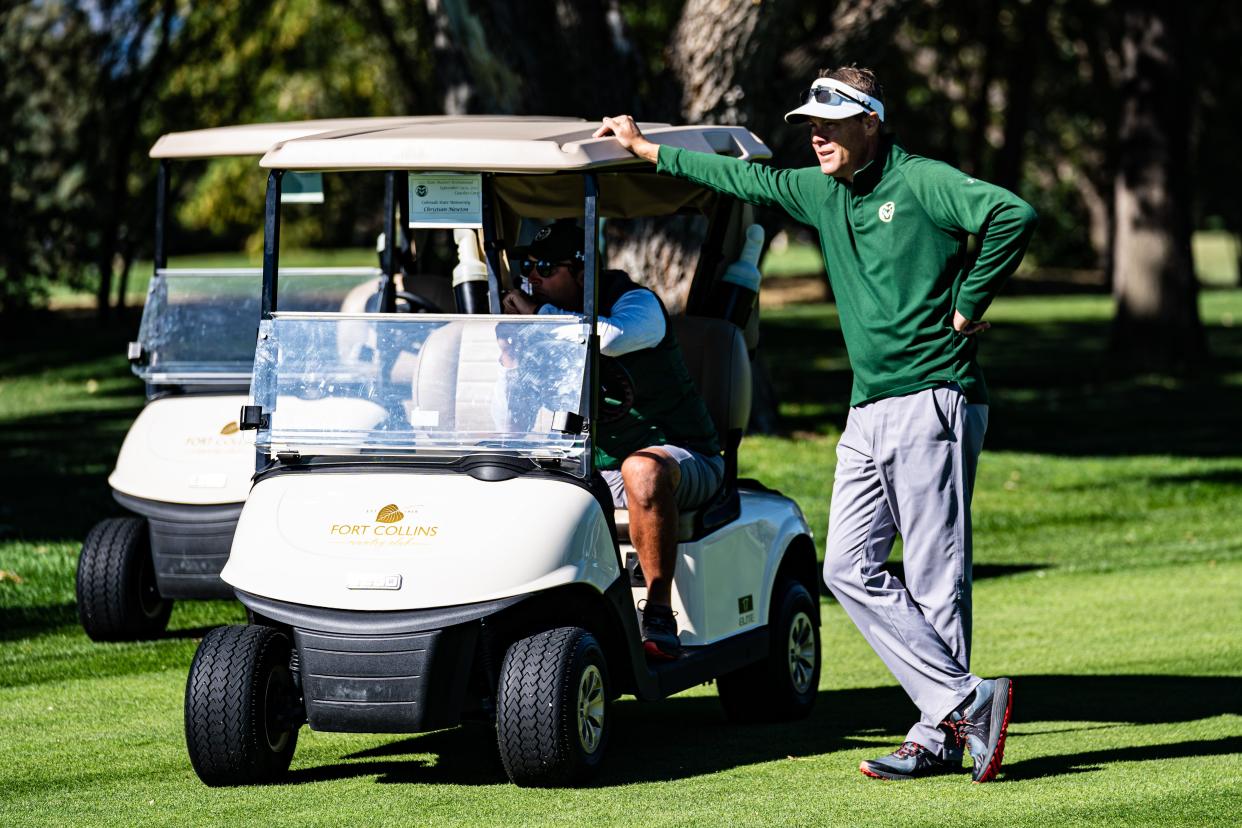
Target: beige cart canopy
x,y
514,145
256,139
526,153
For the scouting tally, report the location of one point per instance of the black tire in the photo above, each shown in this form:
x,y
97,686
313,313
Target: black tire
x,y
782,686
118,598
242,709
552,708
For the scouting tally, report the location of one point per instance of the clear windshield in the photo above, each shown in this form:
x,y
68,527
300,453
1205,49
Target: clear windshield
x,y
198,325
421,384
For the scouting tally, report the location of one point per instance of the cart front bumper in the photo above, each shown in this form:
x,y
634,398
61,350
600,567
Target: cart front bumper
x,y
383,672
189,544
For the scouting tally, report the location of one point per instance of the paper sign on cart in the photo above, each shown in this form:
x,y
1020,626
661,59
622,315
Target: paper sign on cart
x,y
446,200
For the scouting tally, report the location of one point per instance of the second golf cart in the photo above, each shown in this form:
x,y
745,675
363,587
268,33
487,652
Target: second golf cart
x,y
185,467
419,551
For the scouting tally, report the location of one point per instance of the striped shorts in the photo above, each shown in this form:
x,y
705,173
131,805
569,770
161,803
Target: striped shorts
x,y
701,476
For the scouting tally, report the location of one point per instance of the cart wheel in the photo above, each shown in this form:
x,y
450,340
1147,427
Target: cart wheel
x,y
783,685
242,709
552,719
118,599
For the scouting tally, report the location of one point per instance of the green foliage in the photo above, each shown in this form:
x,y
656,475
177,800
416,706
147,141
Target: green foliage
x,y
1023,93
46,200
283,61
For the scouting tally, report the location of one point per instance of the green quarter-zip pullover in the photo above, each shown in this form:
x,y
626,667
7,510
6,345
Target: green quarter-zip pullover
x,y
894,246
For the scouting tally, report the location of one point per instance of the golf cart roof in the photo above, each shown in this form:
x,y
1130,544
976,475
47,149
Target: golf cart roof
x,y
513,145
256,139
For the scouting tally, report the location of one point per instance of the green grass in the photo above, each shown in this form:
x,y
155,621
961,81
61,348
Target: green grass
x,y
1215,251
1216,255
1108,570
141,270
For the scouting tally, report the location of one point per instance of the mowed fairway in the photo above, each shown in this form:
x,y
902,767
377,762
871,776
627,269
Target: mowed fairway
x,y
1108,570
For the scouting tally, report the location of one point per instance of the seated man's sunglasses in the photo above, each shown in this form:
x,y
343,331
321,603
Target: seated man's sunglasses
x,y
527,266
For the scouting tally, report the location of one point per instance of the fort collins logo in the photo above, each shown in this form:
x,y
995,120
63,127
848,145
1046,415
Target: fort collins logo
x,y
390,514
388,526
229,437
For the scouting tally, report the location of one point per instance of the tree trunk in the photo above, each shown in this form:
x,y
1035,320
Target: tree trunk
x,y
1096,203
658,253
546,57
1157,325
720,51
981,106
1032,24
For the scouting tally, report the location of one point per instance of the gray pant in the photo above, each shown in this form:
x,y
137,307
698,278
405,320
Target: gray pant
x,y
906,465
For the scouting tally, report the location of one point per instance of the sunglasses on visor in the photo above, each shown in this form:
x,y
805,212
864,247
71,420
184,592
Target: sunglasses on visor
x,y
528,266
830,96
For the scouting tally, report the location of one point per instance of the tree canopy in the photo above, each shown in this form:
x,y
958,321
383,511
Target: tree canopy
x,y
1027,93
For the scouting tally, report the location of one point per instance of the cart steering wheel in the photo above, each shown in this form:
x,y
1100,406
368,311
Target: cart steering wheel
x,y
416,303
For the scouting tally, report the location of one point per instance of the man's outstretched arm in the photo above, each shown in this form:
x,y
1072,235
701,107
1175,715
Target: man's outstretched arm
x,y
792,190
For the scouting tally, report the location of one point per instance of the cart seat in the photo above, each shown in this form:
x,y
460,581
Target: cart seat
x,y
715,354
455,375
355,338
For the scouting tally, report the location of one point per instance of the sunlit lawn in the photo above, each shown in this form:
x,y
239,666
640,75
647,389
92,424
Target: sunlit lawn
x,y
1108,569
1216,256
1216,263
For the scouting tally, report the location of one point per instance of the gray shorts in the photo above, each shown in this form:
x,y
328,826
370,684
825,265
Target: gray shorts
x,y
701,476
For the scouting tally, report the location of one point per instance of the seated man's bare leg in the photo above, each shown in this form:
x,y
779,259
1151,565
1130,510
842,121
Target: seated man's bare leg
x,y
651,478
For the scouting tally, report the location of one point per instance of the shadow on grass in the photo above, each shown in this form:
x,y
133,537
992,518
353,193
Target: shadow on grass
x,y
1094,760
63,340
682,738
1054,388
32,621
19,623
56,487
1229,477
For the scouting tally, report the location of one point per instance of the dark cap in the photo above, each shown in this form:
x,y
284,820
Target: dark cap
x,y
557,242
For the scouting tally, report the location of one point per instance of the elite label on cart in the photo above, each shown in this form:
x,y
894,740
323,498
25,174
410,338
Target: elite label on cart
x,y
372,580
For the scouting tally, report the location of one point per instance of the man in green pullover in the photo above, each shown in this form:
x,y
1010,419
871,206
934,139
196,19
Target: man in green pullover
x,y
893,231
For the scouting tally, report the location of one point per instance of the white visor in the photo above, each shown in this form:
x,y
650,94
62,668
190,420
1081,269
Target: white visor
x,y
830,98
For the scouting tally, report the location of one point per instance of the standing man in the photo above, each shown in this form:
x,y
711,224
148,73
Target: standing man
x,y
893,229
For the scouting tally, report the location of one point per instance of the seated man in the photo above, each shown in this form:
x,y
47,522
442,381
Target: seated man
x,y
656,445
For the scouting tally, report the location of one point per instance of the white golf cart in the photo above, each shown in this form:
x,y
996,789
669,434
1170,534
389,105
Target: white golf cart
x,y
419,551
185,467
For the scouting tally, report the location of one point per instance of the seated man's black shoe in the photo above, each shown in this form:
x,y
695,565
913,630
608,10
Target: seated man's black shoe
x,y
659,628
910,761
980,724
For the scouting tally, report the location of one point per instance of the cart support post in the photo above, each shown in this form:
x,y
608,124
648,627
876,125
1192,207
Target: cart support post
x,y
407,253
388,285
160,254
271,242
491,248
590,307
